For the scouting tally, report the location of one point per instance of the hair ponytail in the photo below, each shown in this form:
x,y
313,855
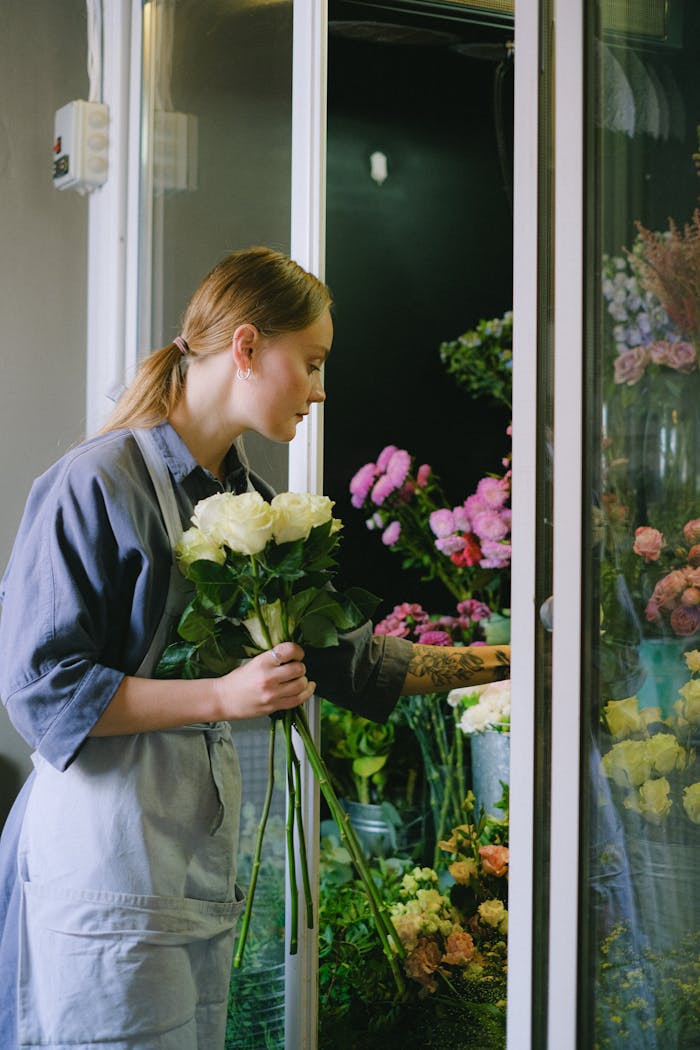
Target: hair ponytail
x,y
153,393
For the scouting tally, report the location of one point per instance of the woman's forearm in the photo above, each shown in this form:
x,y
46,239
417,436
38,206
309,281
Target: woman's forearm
x,y
438,668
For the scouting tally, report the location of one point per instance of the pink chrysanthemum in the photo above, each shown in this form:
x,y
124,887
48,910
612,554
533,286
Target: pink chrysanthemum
x,y
383,488
450,544
398,467
461,518
442,522
384,457
361,483
493,492
424,472
496,555
391,533
489,525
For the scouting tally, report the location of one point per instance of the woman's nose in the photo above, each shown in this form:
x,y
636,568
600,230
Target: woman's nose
x,y
318,392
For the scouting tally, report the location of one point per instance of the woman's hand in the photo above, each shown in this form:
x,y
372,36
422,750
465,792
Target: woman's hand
x,y
273,681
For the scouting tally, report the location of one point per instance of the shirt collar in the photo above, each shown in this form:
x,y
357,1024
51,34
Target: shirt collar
x,y
181,463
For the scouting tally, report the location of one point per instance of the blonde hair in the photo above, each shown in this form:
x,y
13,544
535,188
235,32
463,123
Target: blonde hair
x,y
256,286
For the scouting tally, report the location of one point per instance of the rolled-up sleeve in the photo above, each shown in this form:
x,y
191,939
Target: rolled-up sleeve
x,y
63,614
364,673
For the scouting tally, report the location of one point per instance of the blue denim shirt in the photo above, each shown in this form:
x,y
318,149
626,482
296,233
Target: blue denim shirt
x,y
85,587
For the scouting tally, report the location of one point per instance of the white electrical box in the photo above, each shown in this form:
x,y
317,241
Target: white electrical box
x,y
81,140
175,151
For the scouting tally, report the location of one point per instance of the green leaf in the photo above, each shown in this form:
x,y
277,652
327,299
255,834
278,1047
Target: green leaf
x,y
285,559
195,626
365,601
367,767
318,631
174,660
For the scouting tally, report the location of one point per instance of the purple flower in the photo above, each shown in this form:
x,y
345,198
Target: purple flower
x,y
361,483
442,522
384,457
424,472
397,467
489,525
480,612
450,544
436,638
382,489
493,492
391,533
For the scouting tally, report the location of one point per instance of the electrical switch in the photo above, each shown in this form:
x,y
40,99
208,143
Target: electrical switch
x,y
81,143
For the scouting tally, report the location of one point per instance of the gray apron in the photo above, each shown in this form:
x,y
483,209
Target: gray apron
x,y
128,868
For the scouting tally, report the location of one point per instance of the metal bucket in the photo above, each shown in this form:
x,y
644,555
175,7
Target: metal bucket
x,y
490,765
378,836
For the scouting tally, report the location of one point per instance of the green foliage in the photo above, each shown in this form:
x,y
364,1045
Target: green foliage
x,y
481,360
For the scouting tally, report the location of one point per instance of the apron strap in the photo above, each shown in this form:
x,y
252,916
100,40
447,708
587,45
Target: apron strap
x,y
160,476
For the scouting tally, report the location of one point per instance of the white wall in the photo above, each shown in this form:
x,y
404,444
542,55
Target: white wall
x,y
43,236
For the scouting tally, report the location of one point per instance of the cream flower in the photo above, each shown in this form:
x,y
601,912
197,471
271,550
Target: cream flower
x,y
623,717
691,696
628,763
272,616
243,523
691,802
692,660
297,513
651,801
195,546
666,753
462,871
492,912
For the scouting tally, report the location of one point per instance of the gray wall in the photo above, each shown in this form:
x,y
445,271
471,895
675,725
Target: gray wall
x,y
43,245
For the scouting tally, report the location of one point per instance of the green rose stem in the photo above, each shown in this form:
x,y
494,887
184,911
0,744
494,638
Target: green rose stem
x,y
293,890
238,957
391,944
302,837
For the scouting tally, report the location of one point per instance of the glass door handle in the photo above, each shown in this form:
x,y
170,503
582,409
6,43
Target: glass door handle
x,y
547,614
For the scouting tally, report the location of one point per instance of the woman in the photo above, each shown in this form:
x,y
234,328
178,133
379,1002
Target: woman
x,y
119,858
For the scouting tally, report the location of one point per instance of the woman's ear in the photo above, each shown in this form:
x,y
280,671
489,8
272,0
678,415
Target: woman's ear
x,y
243,343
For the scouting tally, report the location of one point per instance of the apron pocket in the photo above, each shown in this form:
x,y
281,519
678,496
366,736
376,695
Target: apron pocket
x,y
99,967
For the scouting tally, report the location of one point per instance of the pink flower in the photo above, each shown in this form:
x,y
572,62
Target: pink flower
x,y
489,525
474,505
658,352
682,357
361,483
461,519
442,522
398,466
391,533
394,626
493,492
412,609
495,555
424,472
459,949
449,545
435,638
667,590
384,457
648,543
630,365
694,555
691,531
480,612
690,596
382,489
685,620
494,860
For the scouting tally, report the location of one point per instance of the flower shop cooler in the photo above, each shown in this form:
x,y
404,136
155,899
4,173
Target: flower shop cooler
x,y
218,132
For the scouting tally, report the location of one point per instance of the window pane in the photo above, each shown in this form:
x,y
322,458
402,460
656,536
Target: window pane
x,y
641,905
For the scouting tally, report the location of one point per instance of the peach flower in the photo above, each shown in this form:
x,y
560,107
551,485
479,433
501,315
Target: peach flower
x,y
494,860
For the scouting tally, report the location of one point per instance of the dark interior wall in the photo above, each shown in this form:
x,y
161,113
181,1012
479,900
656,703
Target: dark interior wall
x,y
411,263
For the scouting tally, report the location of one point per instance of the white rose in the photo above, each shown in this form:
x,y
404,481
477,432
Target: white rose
x,y
474,720
242,523
195,546
296,513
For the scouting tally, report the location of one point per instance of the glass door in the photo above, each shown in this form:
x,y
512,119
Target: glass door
x,y
627,474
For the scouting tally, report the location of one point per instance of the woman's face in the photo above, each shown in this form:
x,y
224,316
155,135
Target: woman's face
x,y
286,379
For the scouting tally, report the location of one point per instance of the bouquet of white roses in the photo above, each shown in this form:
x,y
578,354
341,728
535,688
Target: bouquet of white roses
x,y
262,574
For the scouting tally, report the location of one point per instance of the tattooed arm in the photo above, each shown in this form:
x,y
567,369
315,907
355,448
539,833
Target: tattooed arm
x,y
439,668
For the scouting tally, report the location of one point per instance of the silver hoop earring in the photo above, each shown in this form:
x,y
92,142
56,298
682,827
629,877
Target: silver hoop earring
x,y
243,375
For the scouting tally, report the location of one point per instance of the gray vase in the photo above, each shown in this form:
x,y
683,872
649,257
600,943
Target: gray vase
x,y
490,765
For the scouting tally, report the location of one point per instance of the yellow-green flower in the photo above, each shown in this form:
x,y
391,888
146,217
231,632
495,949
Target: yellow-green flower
x,y
651,800
623,717
628,763
666,753
691,802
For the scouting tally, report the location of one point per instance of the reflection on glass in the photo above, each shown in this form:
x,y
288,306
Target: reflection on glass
x,y
642,901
